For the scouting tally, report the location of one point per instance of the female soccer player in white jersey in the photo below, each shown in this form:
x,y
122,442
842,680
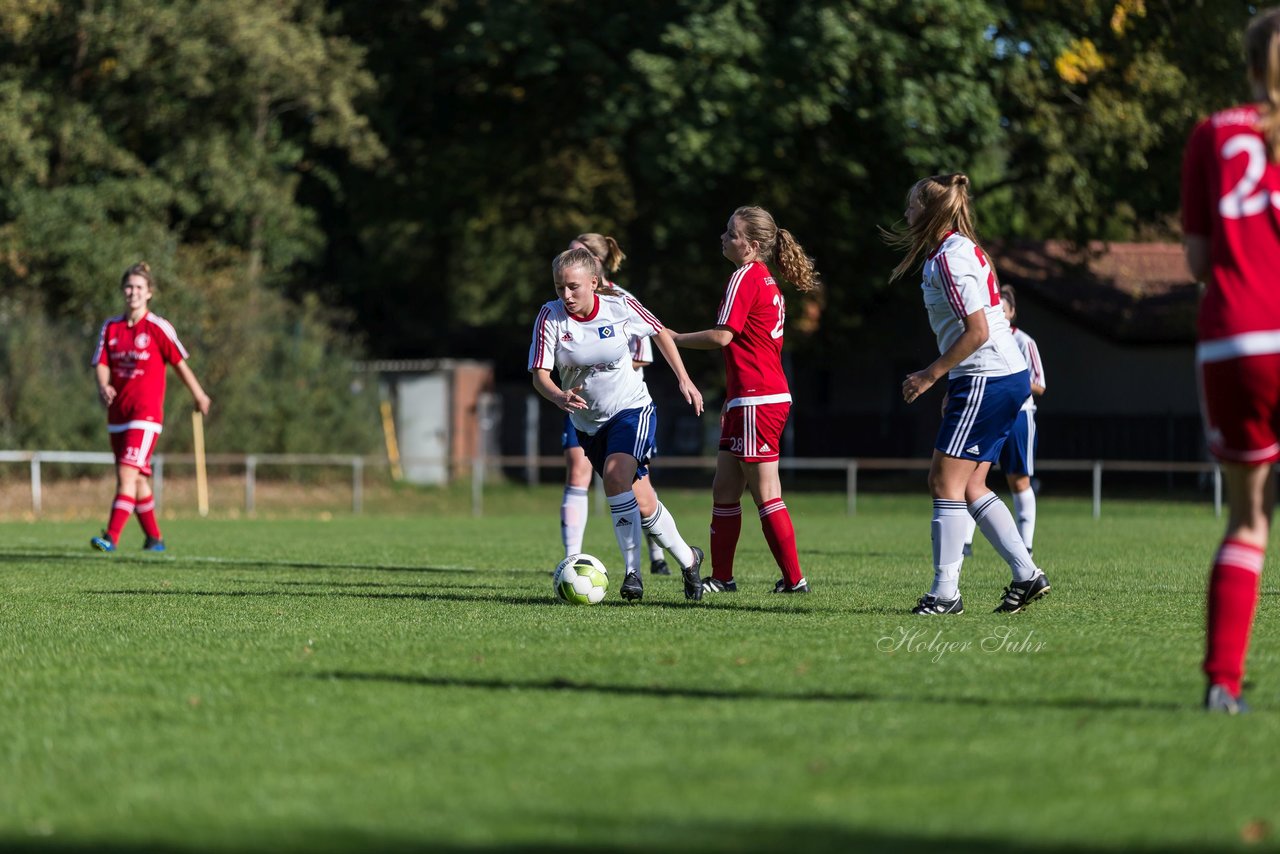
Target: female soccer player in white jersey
x,y
574,507
988,382
1018,458
1231,227
129,362
749,327
584,335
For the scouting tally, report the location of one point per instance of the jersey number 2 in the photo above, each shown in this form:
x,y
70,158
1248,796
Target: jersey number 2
x,y
782,315
1242,201
992,288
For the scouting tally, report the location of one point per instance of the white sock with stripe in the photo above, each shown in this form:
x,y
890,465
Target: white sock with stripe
x,y
655,547
998,527
626,528
661,527
573,519
1024,507
948,542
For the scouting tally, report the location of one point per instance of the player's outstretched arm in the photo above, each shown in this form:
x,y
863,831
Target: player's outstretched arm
x,y
188,377
667,347
568,400
706,339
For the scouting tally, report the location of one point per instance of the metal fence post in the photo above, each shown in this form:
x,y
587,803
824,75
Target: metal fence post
x,y
851,487
250,482
157,479
531,410
1217,490
357,484
37,498
1097,489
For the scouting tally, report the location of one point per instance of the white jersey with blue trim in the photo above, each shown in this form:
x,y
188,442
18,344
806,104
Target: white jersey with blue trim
x,y
1031,353
958,281
641,345
595,353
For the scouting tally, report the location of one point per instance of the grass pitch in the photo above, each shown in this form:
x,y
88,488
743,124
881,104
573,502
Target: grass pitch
x,y
411,683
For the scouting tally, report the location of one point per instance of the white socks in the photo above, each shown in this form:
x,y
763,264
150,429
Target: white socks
x,y
626,528
573,519
655,547
998,527
661,528
948,529
1024,507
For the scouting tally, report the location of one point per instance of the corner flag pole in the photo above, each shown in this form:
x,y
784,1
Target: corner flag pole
x,y
202,475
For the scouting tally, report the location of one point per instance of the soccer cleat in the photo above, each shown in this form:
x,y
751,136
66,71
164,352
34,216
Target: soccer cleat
x,y
782,586
1219,699
715,585
153,544
930,604
692,580
102,543
659,567
632,588
1020,594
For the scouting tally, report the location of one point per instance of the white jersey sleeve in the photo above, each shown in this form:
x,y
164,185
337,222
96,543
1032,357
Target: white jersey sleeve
x,y
1031,353
640,321
958,282
542,350
964,281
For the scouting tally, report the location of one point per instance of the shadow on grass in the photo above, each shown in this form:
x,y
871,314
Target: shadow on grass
x,y
693,693
170,560
504,598
705,835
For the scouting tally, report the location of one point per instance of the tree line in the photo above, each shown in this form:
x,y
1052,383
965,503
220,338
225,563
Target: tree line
x,y
316,180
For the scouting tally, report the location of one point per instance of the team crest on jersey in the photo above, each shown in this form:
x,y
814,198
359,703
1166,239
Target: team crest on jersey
x,y
606,331
142,340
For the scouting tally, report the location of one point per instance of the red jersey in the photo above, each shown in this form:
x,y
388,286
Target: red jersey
x,y
138,356
1231,195
753,308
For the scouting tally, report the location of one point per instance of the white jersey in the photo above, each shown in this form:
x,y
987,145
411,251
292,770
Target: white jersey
x,y
595,354
641,346
1031,353
958,281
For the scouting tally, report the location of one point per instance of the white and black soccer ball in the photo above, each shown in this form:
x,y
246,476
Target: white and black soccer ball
x,y
581,580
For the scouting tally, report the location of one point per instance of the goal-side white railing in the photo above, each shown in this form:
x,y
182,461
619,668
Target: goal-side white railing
x,y
532,465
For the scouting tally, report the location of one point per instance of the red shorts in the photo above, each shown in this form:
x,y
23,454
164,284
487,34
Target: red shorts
x,y
1240,399
753,434
133,443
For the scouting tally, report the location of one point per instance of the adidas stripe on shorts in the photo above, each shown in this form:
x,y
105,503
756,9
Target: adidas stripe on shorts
x,y
979,415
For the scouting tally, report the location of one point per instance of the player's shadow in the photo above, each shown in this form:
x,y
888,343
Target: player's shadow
x,y
704,693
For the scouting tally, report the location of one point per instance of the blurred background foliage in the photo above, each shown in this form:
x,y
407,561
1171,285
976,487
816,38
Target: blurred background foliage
x,y
318,181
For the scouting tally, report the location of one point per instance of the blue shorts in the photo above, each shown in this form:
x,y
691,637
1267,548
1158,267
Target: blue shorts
x,y
569,436
629,432
980,412
1019,454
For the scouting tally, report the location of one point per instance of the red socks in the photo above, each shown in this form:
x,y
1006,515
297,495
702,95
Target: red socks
x,y
121,510
775,521
146,511
726,525
1233,596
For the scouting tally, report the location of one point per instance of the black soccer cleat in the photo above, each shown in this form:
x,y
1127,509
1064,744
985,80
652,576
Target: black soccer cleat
x,y
692,580
153,544
1217,698
782,586
1020,594
930,604
659,567
715,585
632,588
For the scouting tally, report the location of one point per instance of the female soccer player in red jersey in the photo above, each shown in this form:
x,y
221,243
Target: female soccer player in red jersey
x,y
1231,227
574,507
749,327
129,362
987,383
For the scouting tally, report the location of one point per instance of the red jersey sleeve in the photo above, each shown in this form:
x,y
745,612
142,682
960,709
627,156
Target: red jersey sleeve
x,y
737,301
100,353
1197,185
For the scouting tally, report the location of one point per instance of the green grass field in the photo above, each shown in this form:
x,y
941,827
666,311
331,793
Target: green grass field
x,y
411,683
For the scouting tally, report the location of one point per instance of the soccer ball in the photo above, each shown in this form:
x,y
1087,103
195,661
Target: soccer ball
x,y
581,580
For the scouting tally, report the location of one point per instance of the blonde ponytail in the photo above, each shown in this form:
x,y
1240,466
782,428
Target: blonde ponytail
x,y
945,206
757,225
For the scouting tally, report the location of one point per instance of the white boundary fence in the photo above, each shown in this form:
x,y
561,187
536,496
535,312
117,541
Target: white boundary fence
x,y
480,466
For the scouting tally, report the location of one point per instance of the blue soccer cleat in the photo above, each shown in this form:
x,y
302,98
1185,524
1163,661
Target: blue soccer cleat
x,y
153,544
103,544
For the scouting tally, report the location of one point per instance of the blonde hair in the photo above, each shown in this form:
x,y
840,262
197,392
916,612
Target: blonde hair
x,y
757,225
581,259
944,206
142,269
1262,54
605,248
